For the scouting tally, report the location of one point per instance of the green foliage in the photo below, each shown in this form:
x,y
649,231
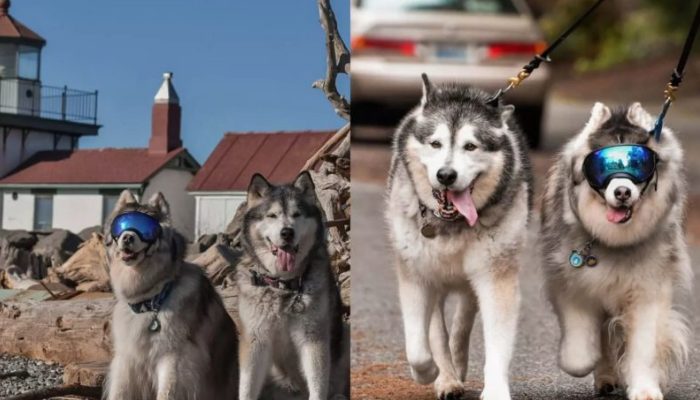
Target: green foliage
x,y
620,31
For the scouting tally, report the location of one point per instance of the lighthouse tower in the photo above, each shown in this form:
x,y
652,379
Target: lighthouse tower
x,y
35,116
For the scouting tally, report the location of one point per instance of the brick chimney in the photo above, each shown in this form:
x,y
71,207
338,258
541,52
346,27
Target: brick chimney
x,y
165,120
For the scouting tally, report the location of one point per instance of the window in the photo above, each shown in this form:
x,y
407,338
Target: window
x,y
43,212
28,63
109,201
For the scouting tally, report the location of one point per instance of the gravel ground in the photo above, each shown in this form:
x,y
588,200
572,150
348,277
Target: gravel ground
x,y
40,374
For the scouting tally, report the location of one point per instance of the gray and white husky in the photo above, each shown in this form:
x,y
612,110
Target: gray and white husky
x,y
289,302
618,319
459,201
172,336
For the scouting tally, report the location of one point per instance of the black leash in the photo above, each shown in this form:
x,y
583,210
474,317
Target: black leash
x,y
543,57
677,76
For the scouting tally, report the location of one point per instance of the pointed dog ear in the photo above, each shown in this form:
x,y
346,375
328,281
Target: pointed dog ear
x,y
125,198
305,184
637,115
427,89
600,114
507,112
159,203
257,189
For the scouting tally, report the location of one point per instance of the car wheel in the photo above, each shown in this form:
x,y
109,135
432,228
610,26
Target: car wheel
x,y
530,119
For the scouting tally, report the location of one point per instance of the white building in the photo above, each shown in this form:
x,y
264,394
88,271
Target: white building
x,y
76,189
220,186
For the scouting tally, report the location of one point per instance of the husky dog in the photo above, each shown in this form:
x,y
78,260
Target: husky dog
x,y
618,319
289,303
459,201
172,336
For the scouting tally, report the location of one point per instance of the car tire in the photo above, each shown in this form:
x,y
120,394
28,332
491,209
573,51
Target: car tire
x,y
530,119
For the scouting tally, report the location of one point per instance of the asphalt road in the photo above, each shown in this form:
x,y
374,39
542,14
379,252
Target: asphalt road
x,y
379,367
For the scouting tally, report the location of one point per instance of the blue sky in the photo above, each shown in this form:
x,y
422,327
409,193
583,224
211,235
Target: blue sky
x,y
239,65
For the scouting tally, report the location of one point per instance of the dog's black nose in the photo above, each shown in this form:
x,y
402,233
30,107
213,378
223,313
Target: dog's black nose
x,y
128,239
623,193
287,234
446,176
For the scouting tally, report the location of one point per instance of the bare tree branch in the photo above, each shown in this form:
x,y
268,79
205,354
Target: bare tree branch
x,y
337,137
337,60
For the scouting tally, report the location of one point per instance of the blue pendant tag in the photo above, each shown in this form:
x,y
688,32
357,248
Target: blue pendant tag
x,y
576,259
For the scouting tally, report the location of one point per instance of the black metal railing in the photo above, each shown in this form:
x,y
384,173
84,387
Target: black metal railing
x,y
28,97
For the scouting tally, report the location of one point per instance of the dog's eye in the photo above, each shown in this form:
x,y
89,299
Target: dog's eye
x,y
296,214
435,144
271,215
470,146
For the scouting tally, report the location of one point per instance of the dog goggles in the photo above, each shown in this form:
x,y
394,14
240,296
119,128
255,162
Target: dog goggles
x,y
632,161
145,226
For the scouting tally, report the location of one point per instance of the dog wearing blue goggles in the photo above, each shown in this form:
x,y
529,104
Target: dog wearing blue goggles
x,y
632,161
614,171
145,226
131,224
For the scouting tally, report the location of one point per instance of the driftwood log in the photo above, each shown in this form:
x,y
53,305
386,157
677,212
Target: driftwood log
x,y
66,331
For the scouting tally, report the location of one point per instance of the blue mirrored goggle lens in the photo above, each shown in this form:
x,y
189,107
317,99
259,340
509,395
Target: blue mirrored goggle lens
x,y
144,225
635,162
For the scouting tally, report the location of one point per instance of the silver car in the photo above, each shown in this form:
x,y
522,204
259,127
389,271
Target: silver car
x,y
476,42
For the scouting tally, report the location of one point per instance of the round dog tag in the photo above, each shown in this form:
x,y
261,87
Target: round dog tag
x,y
591,261
155,325
576,259
428,231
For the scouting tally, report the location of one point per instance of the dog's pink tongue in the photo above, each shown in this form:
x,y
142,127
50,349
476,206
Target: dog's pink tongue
x,y
285,260
616,215
465,205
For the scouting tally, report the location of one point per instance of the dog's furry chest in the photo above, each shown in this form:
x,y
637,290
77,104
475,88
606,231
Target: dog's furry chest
x,y
620,273
451,258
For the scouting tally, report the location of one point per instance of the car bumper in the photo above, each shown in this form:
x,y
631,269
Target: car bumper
x,y
394,83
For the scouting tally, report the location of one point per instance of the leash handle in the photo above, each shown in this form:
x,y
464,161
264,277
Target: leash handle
x,y
542,57
677,75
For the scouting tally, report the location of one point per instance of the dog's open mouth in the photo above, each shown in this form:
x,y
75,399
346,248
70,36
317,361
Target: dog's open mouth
x,y
129,255
286,255
619,215
455,205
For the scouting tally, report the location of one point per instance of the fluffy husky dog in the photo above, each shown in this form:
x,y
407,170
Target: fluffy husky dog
x,y
458,207
172,336
289,303
617,319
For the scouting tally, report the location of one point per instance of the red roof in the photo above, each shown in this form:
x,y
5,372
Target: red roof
x,y
277,156
89,166
11,28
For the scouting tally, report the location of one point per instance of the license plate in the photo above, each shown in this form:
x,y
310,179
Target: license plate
x,y
455,53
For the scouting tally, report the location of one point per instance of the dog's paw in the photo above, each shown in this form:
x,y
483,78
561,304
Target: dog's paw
x,y
605,384
500,392
424,372
449,389
653,393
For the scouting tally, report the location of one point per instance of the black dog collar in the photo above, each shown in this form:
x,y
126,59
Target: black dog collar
x,y
154,303
262,280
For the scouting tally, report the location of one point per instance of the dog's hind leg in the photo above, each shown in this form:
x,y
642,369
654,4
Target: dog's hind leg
x,y
605,375
499,297
417,302
447,385
462,324
580,321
